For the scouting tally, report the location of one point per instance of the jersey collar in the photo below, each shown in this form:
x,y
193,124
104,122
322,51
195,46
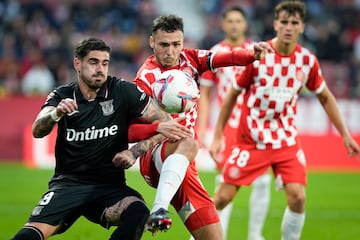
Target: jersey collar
x,y
102,94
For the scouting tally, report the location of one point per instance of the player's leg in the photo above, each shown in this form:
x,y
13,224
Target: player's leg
x,y
53,213
224,216
294,215
209,232
122,207
196,209
224,195
225,213
258,206
130,215
35,231
290,172
172,172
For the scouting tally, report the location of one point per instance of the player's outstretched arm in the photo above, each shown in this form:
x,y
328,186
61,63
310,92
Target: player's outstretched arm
x,y
240,57
328,102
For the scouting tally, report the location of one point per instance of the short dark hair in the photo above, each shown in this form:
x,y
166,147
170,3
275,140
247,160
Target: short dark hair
x,y
233,9
168,23
291,7
85,46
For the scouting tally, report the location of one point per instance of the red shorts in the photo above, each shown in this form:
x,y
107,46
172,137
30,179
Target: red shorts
x,y
246,163
192,202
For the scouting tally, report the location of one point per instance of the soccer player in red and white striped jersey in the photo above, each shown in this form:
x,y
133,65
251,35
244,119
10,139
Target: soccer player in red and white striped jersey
x,y
267,134
234,25
169,166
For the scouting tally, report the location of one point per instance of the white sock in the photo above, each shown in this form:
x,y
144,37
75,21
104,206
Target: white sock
x,y
171,176
224,214
258,206
292,225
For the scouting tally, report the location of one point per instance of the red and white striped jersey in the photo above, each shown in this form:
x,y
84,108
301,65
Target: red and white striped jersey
x,y
192,61
272,86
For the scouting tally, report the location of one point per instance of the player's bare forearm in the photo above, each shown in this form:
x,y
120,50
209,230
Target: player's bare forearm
x,y
127,158
331,108
153,113
143,146
43,124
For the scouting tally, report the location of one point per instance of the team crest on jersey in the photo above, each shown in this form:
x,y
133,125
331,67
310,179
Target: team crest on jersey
x,y
107,107
234,173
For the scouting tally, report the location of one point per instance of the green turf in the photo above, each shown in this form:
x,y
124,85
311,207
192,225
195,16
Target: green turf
x,y
332,207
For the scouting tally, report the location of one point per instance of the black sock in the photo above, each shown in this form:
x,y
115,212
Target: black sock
x,y
28,233
132,222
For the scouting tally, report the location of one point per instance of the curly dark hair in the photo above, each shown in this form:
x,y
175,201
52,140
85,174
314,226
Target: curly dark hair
x,y
168,23
85,46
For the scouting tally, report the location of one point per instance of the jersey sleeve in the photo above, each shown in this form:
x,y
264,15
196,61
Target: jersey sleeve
x,y
138,100
146,75
53,99
144,84
244,79
208,79
315,82
59,93
240,57
139,131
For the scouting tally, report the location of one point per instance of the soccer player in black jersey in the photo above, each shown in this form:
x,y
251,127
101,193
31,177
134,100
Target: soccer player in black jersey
x,y
93,115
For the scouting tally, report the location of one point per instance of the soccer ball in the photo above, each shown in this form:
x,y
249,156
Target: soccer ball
x,y
175,91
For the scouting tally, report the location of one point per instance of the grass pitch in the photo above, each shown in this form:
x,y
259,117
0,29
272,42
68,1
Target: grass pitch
x,y
332,207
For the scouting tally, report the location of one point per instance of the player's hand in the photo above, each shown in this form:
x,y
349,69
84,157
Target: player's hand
x,y
261,49
215,149
173,129
351,146
124,159
66,106
202,139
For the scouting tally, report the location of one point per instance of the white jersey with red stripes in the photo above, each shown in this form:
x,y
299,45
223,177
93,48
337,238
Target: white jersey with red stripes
x,y
192,61
272,88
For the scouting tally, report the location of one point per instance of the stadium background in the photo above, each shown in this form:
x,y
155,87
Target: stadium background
x,y
37,38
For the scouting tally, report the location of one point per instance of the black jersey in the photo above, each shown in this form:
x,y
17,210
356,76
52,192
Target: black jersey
x,y
89,138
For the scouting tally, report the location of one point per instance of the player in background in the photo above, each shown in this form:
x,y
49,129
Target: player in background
x,y
267,134
234,25
93,115
170,166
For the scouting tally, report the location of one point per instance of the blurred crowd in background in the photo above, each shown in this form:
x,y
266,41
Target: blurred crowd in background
x,y
37,37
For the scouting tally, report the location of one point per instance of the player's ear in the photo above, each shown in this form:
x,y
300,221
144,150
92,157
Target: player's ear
x,y
302,28
76,63
275,23
151,41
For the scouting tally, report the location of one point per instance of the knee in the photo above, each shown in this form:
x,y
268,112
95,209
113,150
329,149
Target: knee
x,y
296,202
137,214
221,200
188,147
129,206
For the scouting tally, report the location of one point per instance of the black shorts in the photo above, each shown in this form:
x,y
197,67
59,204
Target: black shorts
x,y
66,201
